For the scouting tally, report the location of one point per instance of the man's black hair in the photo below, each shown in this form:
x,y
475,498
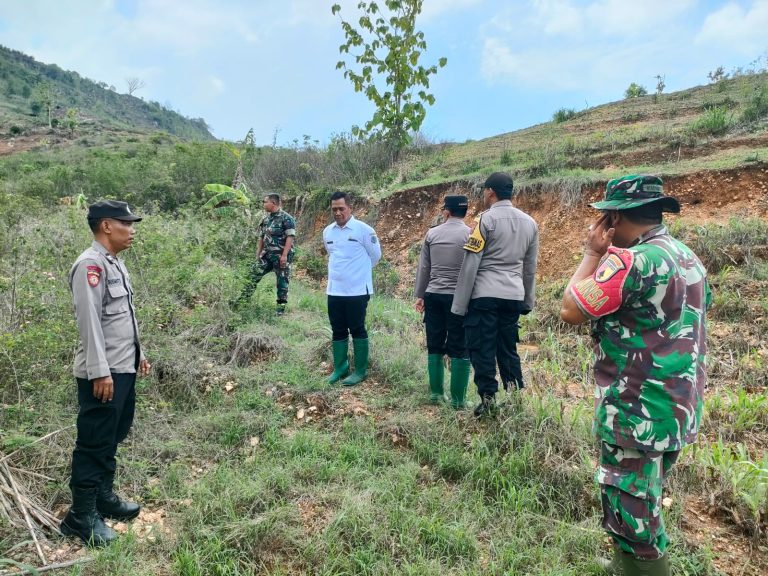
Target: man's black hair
x,y
339,195
93,224
274,198
458,212
650,213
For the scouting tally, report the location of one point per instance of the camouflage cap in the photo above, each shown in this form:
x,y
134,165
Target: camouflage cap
x,y
636,190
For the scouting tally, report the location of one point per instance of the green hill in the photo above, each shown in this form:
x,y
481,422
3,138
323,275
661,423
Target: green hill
x,y
28,86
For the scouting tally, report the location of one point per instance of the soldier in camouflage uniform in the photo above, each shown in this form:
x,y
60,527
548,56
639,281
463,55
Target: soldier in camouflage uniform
x,y
646,295
277,232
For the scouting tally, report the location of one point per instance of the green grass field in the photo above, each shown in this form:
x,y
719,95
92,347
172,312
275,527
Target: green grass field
x,y
247,462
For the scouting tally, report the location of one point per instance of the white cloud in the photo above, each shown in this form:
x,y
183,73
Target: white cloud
x,y
433,8
558,17
572,46
744,30
216,84
633,18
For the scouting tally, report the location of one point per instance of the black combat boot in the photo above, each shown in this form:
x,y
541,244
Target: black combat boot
x,y
84,521
109,504
487,407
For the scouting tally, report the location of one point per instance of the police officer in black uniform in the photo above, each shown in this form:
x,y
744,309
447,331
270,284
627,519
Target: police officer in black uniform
x,y
497,284
106,363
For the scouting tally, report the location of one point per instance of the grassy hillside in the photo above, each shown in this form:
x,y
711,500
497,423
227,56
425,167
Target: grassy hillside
x,y
721,125
25,84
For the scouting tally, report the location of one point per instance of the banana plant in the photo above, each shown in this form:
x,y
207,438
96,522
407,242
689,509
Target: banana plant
x,y
224,200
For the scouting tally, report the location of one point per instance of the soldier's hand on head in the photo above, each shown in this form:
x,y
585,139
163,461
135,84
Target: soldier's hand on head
x,y
103,388
144,367
599,236
419,304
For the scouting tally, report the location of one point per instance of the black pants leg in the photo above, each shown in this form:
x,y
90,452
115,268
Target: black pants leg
x,y
491,336
510,369
101,426
480,329
445,330
347,316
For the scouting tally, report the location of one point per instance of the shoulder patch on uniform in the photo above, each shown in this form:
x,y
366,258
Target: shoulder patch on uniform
x,y
475,241
602,293
374,240
612,265
93,273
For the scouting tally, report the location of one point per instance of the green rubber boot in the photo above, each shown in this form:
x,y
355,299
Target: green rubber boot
x,y
436,371
459,380
340,361
360,346
637,567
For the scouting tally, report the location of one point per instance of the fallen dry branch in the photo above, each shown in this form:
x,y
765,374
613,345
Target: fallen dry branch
x,y
20,507
16,507
47,567
5,457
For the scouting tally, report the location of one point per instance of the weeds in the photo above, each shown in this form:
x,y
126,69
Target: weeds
x,y
714,122
757,106
732,475
739,243
563,114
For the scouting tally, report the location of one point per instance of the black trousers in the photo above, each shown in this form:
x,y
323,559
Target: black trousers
x,y
445,330
491,328
347,316
101,426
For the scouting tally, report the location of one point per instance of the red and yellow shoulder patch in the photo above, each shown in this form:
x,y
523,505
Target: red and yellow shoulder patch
x,y
93,274
602,293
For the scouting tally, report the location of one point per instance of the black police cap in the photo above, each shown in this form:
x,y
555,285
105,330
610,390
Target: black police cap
x,y
112,209
454,202
500,182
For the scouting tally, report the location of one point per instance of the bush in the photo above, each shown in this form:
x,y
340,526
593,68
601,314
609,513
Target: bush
x,y
757,106
635,91
16,130
313,264
563,114
385,278
714,122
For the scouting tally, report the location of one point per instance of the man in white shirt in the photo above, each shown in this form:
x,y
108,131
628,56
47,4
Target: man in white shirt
x,y
353,250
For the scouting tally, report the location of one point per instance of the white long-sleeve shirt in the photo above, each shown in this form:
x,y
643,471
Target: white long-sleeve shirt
x,y
353,251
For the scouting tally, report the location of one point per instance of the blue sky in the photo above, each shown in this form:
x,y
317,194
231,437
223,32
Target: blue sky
x,y
270,64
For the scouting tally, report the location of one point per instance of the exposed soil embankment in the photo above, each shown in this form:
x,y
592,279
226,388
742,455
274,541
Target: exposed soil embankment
x,y
706,197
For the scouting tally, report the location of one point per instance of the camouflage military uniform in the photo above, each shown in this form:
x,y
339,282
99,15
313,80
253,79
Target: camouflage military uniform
x,y
647,305
274,230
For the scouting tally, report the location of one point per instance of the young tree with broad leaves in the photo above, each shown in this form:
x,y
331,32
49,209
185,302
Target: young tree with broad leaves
x,y
386,48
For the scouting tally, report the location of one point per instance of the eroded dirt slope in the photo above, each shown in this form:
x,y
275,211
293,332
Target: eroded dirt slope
x,y
706,197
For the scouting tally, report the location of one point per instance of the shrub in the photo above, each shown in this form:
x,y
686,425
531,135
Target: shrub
x,y
313,264
563,114
16,130
714,122
385,278
757,106
635,91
